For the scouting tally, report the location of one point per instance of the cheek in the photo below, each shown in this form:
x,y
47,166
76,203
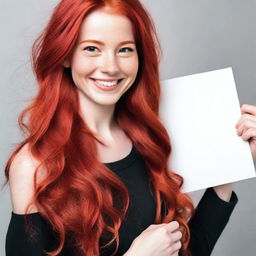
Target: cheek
x,y
131,67
79,72
81,68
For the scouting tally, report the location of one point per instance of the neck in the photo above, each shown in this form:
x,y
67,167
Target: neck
x,y
99,118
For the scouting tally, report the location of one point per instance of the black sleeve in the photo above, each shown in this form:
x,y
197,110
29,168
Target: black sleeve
x,y
20,242
210,218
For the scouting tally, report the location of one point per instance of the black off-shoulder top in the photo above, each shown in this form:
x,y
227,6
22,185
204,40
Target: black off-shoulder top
x,y
210,218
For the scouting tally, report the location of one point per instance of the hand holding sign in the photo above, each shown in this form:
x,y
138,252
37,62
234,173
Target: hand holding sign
x,y
246,126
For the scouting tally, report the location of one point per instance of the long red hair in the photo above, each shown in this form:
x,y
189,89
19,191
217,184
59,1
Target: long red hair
x,y
77,194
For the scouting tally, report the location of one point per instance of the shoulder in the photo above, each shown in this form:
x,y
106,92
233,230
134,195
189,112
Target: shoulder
x,y
21,180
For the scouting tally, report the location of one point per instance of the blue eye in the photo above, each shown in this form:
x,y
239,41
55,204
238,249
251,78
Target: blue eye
x,y
129,49
90,48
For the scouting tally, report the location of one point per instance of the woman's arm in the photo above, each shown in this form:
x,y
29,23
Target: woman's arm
x,y
21,242
224,192
21,181
211,216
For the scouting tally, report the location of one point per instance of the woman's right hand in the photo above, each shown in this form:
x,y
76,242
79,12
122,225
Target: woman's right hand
x,y
157,240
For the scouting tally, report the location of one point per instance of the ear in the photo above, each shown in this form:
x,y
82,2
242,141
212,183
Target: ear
x,y
66,63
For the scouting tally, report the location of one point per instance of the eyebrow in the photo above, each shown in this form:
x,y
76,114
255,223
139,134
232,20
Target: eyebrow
x,y
101,43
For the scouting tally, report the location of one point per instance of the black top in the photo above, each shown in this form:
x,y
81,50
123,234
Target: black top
x,y
210,218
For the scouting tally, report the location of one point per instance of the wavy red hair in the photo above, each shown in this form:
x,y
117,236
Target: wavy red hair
x,y
78,188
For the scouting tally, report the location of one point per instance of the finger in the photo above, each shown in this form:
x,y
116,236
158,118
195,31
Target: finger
x,y
176,236
175,253
175,248
249,134
246,108
172,226
245,125
245,117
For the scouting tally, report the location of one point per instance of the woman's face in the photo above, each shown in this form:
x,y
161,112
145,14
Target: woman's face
x,y
104,62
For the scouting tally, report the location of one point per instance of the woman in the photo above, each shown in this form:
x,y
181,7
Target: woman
x,y
91,176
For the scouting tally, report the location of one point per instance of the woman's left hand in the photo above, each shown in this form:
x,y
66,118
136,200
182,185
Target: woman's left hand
x,y
246,126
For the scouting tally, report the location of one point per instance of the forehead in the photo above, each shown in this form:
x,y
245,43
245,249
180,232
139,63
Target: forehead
x,y
101,24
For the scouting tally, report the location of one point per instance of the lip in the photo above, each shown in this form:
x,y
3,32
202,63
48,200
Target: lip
x,y
105,88
107,80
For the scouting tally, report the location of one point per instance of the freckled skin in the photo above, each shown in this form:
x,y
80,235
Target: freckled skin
x,y
110,60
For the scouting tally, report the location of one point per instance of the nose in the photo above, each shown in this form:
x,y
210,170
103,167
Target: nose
x,y
109,64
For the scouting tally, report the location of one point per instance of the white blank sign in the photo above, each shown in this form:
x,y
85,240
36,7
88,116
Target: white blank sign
x,y
200,112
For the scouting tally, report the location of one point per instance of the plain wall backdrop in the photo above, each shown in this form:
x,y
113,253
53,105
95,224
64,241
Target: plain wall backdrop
x,y
196,36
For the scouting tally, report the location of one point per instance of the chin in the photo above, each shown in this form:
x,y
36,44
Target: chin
x,y
107,102
111,100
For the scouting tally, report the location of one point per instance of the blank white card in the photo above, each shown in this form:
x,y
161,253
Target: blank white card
x,y
200,112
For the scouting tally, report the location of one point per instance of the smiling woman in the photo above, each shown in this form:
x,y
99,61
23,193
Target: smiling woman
x,y
105,58
92,177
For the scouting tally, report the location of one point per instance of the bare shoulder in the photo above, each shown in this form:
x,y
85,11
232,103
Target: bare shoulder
x,y
21,180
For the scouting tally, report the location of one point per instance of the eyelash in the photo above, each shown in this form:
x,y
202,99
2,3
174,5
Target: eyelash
x,y
130,49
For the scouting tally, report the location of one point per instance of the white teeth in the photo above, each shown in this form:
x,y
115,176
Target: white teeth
x,y
104,83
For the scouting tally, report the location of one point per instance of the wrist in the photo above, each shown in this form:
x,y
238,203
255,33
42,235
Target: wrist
x,y
224,191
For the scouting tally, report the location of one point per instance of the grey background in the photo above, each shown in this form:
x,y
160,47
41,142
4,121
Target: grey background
x,y
196,36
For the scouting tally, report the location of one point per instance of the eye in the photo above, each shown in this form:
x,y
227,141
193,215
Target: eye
x,y
126,48
90,48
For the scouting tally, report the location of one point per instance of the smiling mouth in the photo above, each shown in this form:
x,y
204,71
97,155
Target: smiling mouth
x,y
106,85
107,82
